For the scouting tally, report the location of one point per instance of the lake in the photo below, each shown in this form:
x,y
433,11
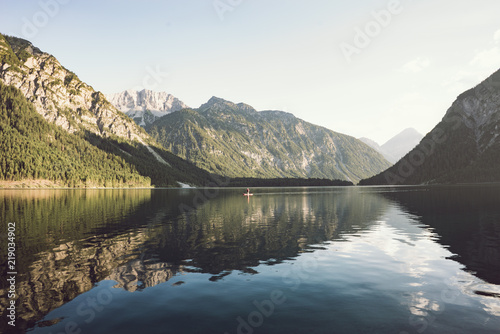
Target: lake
x,y
297,260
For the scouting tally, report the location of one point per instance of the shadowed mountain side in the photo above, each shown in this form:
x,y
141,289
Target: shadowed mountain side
x,y
467,207
463,148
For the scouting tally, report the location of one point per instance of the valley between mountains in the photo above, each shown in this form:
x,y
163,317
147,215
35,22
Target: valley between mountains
x,y
58,131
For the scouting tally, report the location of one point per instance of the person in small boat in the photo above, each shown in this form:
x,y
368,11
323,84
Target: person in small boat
x,y
248,191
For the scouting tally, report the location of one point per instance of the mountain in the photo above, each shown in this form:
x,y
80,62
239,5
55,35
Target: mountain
x,y
58,95
235,140
56,128
33,148
396,147
145,106
463,147
400,144
372,143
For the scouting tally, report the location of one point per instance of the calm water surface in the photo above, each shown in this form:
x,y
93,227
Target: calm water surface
x,y
300,260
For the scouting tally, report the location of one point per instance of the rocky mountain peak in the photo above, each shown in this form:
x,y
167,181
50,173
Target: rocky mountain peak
x,y
219,104
145,106
235,140
216,102
396,147
58,94
464,147
84,140
17,44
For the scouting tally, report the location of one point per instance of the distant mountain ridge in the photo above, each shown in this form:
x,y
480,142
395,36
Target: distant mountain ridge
x,y
402,143
396,147
235,140
463,147
145,106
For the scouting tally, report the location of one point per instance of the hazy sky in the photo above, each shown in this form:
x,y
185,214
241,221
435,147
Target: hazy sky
x,y
364,68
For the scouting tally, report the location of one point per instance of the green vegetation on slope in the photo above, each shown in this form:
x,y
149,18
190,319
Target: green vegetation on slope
x,y
438,156
93,144
32,148
35,149
462,148
287,182
237,141
141,158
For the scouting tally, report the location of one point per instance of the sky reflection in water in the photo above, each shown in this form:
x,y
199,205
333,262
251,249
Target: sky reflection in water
x,y
308,260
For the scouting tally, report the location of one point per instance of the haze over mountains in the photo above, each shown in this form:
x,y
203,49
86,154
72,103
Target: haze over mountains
x,y
396,147
464,147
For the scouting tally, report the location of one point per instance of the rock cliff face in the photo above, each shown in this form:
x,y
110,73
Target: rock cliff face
x,y
145,106
463,147
235,140
35,82
57,93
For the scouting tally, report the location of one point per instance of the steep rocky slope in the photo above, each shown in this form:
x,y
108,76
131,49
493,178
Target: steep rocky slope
x,y
57,93
237,141
36,82
145,106
463,147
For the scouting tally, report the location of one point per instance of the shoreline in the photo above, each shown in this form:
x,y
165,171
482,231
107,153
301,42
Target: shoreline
x,y
20,185
47,184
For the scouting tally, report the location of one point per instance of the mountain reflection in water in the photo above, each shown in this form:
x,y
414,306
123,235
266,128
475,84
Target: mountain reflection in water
x,y
71,240
466,220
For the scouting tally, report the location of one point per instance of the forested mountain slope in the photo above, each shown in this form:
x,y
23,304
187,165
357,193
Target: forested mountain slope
x,y
235,140
56,127
463,147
